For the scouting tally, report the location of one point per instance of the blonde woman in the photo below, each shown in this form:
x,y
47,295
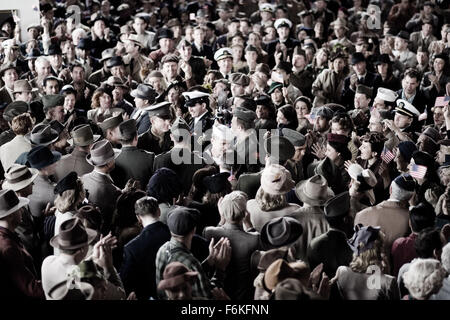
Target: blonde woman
x,y
423,278
366,278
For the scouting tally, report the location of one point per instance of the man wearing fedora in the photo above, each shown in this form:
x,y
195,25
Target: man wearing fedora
x,y
82,139
99,184
19,279
404,58
132,163
135,60
110,129
181,158
8,74
144,96
20,179
313,193
331,248
157,138
164,36
102,74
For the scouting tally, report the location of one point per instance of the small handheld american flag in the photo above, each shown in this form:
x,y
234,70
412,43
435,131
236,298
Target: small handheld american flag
x,y
387,155
442,101
418,171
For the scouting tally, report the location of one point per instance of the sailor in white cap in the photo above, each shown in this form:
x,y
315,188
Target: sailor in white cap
x,y
224,58
405,114
385,99
282,22
284,44
266,11
202,120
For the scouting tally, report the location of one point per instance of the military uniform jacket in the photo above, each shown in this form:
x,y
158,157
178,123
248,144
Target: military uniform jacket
x,y
75,161
184,162
133,163
103,193
149,142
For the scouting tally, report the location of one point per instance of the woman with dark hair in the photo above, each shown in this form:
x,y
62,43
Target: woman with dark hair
x,y
319,62
434,82
384,69
430,179
265,113
287,117
303,106
102,106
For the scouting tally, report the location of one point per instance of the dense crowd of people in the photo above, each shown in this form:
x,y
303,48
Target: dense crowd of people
x,y
226,150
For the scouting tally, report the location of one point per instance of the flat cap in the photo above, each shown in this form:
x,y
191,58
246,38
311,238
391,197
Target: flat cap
x,y
14,109
295,137
244,114
406,182
182,220
240,79
52,101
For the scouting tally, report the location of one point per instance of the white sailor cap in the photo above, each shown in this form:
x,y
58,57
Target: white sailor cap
x,y
386,95
223,53
267,7
406,108
194,97
283,22
222,132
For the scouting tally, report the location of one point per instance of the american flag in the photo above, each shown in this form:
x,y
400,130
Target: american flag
x,y
442,101
418,171
387,155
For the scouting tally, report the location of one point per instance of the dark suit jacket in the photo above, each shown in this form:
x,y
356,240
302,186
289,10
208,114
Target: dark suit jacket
x,y
190,162
371,80
142,123
76,161
206,51
103,193
133,163
332,249
139,255
272,46
4,96
18,277
148,142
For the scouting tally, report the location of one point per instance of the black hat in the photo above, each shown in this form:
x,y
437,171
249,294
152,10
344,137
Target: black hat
x,y
100,17
406,149
263,99
40,157
15,109
164,33
145,92
423,159
217,182
128,129
404,35
42,135
84,43
383,58
33,54
46,7
281,231
182,220
338,206
340,143
111,122
406,182
358,57
54,49
114,62
285,66
57,126
69,182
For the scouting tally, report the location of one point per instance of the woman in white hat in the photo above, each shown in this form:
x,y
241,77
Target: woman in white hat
x,y
270,201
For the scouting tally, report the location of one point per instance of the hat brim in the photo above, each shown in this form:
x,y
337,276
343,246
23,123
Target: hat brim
x,y
102,163
96,137
45,144
22,203
177,280
92,234
59,291
295,233
300,192
56,157
134,93
21,184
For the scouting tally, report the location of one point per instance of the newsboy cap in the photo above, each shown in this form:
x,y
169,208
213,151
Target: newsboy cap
x,y
240,79
244,114
182,220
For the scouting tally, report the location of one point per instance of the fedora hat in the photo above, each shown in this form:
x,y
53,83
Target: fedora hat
x,y
41,156
10,202
135,39
101,153
145,92
18,177
280,149
276,180
277,272
42,135
73,235
314,191
281,231
175,274
110,123
82,136
22,86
